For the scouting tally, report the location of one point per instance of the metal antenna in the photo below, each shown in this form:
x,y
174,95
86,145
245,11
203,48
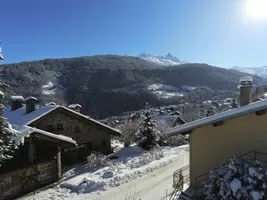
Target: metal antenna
x,y
1,57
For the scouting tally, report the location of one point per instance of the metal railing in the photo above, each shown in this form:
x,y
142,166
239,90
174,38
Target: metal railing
x,y
180,177
180,173
252,155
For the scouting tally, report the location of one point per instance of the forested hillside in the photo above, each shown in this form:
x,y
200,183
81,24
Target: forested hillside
x,y
109,85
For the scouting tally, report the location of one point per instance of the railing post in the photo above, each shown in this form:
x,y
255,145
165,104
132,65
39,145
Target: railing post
x,y
174,179
181,180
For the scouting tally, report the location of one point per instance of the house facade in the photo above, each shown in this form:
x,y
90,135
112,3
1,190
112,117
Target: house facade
x,y
49,137
89,134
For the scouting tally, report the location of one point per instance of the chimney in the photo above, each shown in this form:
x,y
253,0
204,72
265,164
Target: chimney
x,y
16,102
30,104
75,107
245,90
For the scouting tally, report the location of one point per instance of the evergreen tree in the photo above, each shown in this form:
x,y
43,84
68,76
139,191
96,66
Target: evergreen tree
x,y
147,137
210,111
234,104
6,134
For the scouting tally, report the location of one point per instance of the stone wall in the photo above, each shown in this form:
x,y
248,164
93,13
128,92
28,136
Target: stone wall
x,y
21,181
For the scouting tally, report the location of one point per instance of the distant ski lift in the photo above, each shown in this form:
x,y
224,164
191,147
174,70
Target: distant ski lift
x,y
1,57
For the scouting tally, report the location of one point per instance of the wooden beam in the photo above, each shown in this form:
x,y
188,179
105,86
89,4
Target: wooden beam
x,y
219,123
260,112
53,140
187,132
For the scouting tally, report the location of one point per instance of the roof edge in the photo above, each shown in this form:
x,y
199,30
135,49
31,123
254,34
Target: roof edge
x,y
230,114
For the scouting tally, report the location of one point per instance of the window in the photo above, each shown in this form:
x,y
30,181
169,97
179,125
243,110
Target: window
x,y
90,130
89,146
49,127
103,142
77,129
59,127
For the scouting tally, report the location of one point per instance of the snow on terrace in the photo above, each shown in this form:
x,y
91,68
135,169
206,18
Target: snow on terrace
x,y
85,181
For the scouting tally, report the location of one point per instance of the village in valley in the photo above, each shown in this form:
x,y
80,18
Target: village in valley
x,y
93,106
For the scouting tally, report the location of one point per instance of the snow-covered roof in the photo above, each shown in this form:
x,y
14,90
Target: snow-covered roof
x,y
19,116
2,93
50,103
243,110
74,105
30,98
13,98
25,131
56,136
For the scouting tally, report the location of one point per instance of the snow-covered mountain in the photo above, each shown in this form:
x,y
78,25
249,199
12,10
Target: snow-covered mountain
x,y
169,59
260,71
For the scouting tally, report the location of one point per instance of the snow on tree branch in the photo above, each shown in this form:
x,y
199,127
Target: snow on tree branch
x,y
241,179
7,134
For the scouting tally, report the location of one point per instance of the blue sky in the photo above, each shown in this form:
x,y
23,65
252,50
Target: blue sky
x,y
217,32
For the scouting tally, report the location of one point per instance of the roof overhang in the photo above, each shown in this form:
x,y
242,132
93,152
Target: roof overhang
x,y
237,112
26,131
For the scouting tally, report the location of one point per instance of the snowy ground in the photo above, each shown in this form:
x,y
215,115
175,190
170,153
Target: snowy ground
x,y
165,91
51,88
135,172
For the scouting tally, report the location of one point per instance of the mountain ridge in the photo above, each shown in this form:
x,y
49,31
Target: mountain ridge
x,y
260,71
167,60
107,85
